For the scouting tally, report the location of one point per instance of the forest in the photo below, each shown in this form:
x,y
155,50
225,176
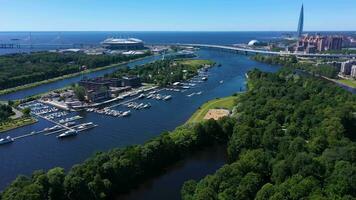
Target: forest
x,y
291,61
5,112
293,138
164,72
21,69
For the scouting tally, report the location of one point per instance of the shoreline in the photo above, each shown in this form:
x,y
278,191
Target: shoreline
x,y
51,80
14,125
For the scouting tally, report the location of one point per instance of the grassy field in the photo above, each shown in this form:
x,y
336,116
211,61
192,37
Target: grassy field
x,y
226,103
197,63
16,123
351,83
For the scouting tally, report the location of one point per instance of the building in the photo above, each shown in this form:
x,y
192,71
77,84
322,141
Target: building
x,y
353,71
132,81
123,44
321,43
96,89
346,67
301,22
334,43
310,49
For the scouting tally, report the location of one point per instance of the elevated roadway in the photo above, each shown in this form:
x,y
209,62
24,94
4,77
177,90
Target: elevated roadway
x,y
272,53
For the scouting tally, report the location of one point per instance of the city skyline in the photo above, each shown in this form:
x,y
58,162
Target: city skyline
x,y
211,15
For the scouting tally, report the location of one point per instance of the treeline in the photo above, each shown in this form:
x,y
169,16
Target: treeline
x,y
5,112
163,72
291,61
294,139
21,69
119,170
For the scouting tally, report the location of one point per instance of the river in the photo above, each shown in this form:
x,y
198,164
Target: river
x,y
168,185
44,152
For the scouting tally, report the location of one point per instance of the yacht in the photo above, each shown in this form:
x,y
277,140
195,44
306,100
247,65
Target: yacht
x,y
6,140
68,133
168,97
141,96
126,113
69,124
204,78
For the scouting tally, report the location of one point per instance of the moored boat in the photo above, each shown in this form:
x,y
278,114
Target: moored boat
x,y
6,140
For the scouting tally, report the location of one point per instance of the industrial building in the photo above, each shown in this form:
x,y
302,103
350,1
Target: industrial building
x,y
99,89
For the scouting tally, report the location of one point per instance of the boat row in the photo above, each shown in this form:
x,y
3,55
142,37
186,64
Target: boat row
x,y
75,131
194,93
69,119
173,89
110,112
159,97
138,106
43,110
56,115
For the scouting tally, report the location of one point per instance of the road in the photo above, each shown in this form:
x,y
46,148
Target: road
x,y
246,50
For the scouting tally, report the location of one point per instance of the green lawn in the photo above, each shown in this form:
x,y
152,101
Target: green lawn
x,y
16,123
351,83
197,63
226,103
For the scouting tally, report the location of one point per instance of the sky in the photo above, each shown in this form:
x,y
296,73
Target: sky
x,y
176,15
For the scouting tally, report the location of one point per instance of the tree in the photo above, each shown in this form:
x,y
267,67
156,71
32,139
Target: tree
x,y
79,92
26,112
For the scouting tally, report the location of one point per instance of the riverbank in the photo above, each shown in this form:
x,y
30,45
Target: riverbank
x,y
207,160
32,85
348,83
221,103
16,123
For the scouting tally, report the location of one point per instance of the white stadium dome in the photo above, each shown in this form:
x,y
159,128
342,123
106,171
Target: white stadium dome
x,y
253,42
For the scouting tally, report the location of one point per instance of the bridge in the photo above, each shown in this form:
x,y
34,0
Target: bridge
x,y
272,53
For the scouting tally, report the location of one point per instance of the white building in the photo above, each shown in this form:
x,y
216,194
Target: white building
x,y
346,67
353,71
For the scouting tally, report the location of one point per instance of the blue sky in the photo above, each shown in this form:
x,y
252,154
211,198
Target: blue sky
x,y
175,15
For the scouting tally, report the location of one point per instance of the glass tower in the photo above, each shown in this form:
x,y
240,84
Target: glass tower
x,y
301,22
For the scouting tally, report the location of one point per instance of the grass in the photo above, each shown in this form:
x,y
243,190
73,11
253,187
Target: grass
x,y
351,83
197,63
16,123
226,103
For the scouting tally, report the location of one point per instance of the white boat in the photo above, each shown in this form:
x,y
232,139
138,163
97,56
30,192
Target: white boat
x,y
141,96
221,81
204,78
68,133
199,93
6,140
190,95
126,113
168,97
69,124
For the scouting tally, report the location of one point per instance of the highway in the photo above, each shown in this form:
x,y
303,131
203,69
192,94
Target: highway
x,y
256,51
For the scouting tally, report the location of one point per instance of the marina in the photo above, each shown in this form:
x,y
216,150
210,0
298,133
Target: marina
x,y
113,132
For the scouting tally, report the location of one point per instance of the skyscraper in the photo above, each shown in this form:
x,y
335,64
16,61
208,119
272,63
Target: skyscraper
x,y
301,22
